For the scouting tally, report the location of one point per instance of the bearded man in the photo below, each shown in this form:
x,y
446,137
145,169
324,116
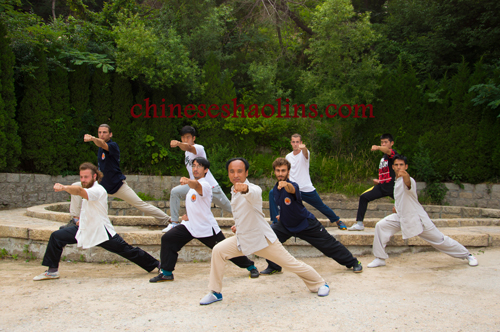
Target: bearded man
x,y
93,229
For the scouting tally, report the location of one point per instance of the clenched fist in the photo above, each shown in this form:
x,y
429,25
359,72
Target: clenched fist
x,y
240,187
282,184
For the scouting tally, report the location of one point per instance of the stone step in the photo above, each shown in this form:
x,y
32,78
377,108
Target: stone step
x,y
17,230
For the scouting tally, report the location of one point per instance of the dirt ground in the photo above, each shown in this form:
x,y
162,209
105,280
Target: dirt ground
x,y
427,291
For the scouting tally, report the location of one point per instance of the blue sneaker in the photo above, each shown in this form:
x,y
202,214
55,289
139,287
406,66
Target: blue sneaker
x,y
211,298
341,225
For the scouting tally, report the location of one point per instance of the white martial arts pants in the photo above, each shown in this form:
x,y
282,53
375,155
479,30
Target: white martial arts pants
x,y
390,225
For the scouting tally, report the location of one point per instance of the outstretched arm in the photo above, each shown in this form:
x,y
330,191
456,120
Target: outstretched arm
x,y
193,184
182,146
97,141
73,190
406,178
384,149
303,148
288,187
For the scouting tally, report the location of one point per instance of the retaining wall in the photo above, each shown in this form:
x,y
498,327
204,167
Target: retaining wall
x,y
24,190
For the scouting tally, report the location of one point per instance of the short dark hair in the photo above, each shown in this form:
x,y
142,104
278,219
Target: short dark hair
x,y
280,162
387,136
188,130
247,165
105,126
94,170
401,157
297,135
202,161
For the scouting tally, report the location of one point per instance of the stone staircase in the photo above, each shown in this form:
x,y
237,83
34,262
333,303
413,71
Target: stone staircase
x,y
475,228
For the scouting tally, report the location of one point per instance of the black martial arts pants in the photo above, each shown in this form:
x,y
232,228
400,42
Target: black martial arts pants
x,y
316,235
59,239
176,238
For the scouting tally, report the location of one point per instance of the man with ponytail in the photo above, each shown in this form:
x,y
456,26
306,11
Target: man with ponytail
x,y
93,229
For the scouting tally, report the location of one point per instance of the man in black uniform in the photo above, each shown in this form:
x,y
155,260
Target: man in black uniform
x,y
295,220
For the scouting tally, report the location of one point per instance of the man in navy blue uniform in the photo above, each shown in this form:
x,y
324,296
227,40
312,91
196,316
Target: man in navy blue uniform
x,y
108,159
295,220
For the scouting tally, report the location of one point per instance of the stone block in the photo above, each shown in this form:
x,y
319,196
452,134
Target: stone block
x,y
40,234
143,178
452,209
452,186
354,239
142,238
477,195
453,194
385,207
466,195
133,212
471,212
468,187
119,205
490,213
19,232
481,188
452,222
469,223
494,240
42,178
12,177
495,188
493,204
3,177
161,204
26,178
432,208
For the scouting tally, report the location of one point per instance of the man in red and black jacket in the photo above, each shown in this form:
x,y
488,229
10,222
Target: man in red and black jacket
x,y
384,185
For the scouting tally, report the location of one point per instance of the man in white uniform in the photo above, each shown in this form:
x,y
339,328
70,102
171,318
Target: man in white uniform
x,y
299,173
253,235
410,218
199,223
93,229
192,151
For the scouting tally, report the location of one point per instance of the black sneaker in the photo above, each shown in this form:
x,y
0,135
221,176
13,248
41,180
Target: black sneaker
x,y
357,268
160,278
72,222
270,271
254,273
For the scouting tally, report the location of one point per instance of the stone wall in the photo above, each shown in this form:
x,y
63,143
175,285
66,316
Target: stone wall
x,y
24,190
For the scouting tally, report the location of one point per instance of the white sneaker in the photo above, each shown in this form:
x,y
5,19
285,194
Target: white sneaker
x,y
472,260
47,275
324,290
377,262
169,227
211,298
356,227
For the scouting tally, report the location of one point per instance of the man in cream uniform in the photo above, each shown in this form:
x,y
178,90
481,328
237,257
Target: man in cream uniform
x,y
253,235
93,229
410,218
199,223
299,173
192,151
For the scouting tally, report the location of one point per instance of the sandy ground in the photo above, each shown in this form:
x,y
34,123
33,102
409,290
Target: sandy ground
x,y
427,291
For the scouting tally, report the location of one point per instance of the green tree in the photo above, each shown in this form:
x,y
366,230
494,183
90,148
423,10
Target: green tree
x,y
36,120
64,132
10,142
100,96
